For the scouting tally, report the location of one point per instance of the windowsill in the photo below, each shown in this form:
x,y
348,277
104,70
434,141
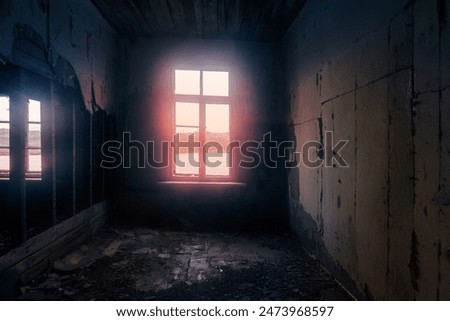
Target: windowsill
x,y
203,183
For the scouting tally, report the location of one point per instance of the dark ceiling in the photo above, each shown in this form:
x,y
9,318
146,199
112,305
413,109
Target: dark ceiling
x,y
249,20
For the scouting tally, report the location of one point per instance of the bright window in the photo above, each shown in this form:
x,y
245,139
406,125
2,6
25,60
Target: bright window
x,y
33,147
4,137
202,114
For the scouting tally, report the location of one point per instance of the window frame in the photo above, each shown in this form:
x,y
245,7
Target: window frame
x,y
6,175
18,132
33,175
202,101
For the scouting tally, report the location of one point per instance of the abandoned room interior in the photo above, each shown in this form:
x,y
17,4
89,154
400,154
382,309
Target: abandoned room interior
x,y
224,150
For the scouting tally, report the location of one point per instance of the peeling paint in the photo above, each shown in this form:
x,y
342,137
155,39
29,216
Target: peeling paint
x,y
320,152
37,40
24,32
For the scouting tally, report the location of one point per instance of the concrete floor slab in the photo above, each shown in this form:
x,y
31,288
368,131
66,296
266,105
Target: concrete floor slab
x,y
163,265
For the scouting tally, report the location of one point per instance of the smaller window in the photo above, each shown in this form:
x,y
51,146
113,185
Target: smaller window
x,y
4,137
33,148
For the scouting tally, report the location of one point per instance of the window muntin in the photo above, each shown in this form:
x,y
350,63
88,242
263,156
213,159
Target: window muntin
x,y
202,109
5,137
33,145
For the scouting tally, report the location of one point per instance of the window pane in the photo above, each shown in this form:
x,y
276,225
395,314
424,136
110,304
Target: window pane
x,y
218,139
4,160
217,118
215,83
34,135
216,164
183,130
187,163
187,82
34,111
185,135
4,135
217,142
34,160
187,160
186,114
4,108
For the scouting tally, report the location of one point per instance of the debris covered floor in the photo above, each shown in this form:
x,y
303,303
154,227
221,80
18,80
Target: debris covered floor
x,y
145,264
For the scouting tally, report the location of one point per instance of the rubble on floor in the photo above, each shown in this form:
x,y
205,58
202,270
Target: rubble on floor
x,y
145,264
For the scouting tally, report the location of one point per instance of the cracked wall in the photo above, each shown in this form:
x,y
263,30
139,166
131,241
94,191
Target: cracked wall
x,y
378,76
67,41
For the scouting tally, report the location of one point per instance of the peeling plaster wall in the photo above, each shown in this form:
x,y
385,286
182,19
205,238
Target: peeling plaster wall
x,y
67,41
378,76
